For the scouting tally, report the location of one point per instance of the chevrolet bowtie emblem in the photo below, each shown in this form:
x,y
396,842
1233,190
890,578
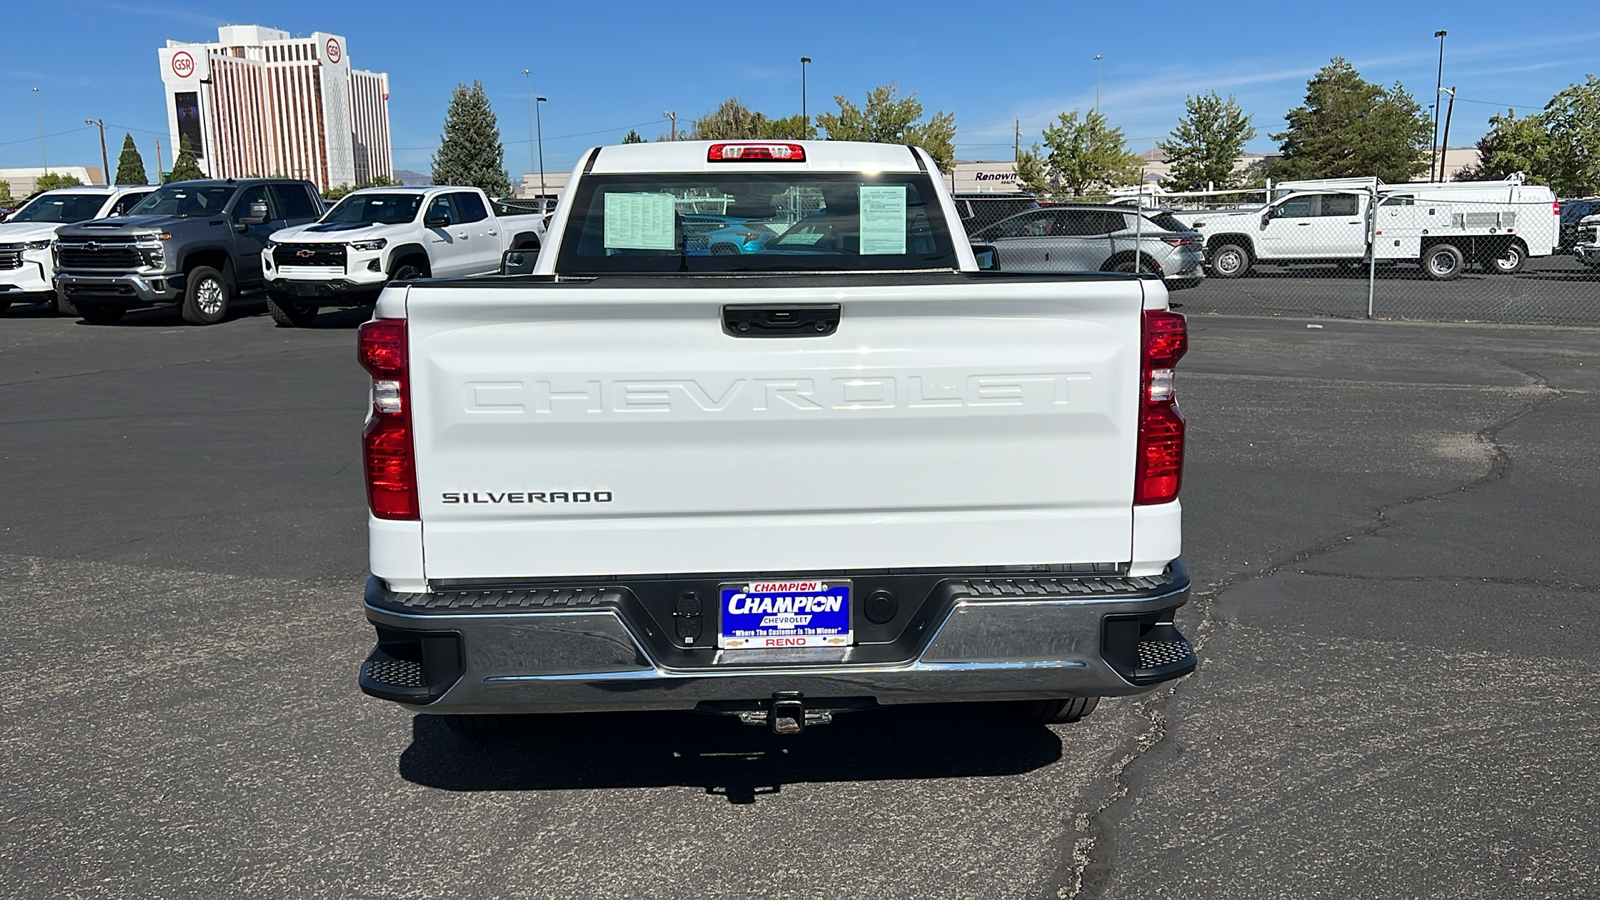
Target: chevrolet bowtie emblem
x,y
305,254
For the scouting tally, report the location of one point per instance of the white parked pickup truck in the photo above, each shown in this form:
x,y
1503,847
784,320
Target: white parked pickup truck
x,y
1440,227
840,470
27,259
378,234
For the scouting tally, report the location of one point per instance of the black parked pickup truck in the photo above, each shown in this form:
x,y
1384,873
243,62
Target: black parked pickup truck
x,y
191,244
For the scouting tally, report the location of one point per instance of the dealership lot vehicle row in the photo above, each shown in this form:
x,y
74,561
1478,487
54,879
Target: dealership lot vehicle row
x,y
1396,616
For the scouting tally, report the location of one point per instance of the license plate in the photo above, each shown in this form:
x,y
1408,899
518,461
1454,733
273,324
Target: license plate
x,y
763,615
305,290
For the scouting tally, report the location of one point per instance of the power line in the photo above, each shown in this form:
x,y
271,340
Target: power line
x,y
556,137
29,140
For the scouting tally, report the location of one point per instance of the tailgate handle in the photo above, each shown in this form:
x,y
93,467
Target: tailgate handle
x,y
780,319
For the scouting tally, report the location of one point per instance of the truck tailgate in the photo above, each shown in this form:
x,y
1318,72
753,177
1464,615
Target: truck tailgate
x,y
572,429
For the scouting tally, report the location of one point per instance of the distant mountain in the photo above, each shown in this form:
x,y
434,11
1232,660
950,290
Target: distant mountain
x,y
408,177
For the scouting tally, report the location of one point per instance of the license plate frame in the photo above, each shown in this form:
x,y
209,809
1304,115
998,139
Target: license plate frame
x,y
771,614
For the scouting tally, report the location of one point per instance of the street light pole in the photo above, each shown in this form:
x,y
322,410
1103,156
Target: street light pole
x,y
673,117
38,106
805,118
1097,82
528,78
105,161
539,120
1434,161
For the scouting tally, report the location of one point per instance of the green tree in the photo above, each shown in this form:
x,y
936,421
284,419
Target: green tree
x,y
1203,148
1559,146
184,168
130,165
887,119
1032,174
49,181
1572,117
470,153
734,121
1350,127
5,190
632,137
1084,154
1515,144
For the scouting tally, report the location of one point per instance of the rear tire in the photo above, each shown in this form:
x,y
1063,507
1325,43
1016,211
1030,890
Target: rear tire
x,y
291,313
95,314
206,297
1508,261
1229,261
1443,262
1055,712
4,305
487,727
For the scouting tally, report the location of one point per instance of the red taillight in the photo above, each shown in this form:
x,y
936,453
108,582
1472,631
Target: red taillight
x,y
381,348
756,153
1555,207
386,447
1158,471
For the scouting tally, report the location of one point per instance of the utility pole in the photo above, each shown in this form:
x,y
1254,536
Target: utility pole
x,y
805,118
1450,111
161,176
1434,161
540,121
1016,143
527,76
105,161
1097,82
674,118
38,106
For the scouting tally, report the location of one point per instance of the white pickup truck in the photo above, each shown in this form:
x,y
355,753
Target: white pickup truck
x,y
377,234
842,469
27,259
1440,227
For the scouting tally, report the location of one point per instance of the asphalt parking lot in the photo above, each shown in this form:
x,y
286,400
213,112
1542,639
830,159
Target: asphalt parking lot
x,y
1391,527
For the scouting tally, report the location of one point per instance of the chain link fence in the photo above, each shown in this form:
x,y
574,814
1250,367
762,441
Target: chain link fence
x,y
1457,253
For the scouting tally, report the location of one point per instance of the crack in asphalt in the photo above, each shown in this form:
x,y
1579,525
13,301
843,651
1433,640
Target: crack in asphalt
x,y
1574,587
1089,871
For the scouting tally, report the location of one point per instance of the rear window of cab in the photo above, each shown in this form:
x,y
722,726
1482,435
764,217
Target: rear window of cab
x,y
731,222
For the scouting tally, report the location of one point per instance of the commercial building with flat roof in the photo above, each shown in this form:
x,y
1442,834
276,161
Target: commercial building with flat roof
x,y
259,102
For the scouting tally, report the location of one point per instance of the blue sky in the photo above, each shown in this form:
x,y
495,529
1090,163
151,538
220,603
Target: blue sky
x,y
606,67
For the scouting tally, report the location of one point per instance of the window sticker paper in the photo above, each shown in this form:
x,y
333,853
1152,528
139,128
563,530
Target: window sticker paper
x,y
883,220
639,222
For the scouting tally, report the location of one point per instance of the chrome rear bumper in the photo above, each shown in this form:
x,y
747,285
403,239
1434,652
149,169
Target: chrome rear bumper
x,y
592,648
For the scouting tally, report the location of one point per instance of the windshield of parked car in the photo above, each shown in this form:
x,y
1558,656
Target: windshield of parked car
x,y
755,222
61,208
184,201
376,209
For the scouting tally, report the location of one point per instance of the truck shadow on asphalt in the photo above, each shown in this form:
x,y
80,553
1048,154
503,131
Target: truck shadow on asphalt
x,y
725,758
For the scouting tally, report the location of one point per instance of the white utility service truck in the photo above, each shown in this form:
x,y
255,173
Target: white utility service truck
x,y
842,470
1442,226
377,234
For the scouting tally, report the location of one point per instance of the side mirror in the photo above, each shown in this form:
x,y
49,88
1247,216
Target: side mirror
x,y
257,214
518,262
988,257
439,221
